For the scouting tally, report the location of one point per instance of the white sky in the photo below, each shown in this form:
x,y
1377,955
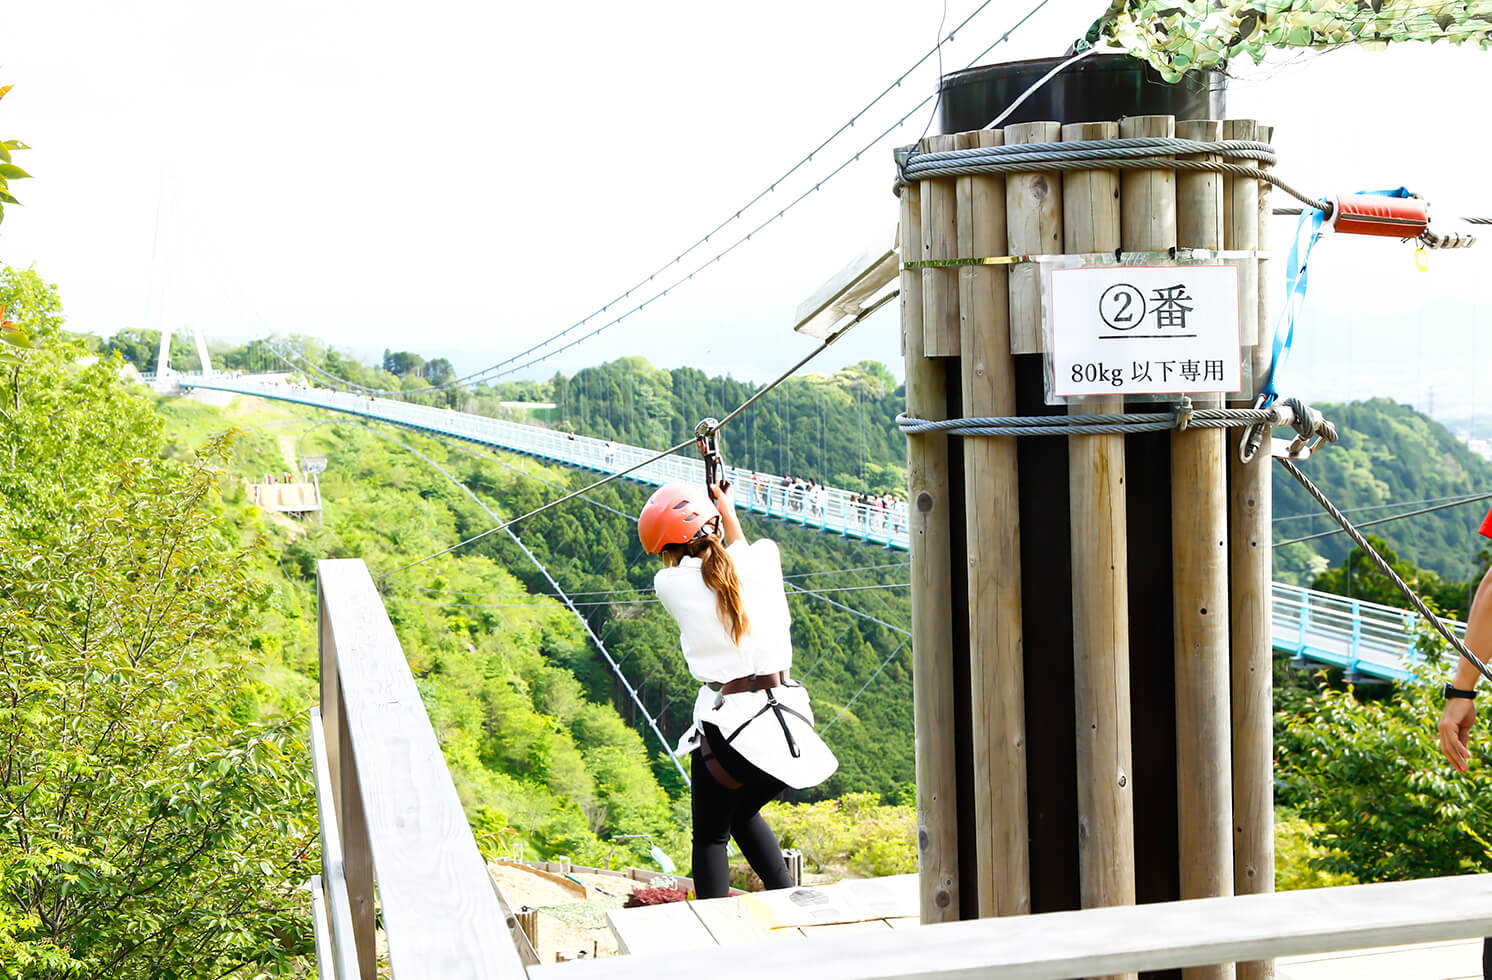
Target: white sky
x,y
463,179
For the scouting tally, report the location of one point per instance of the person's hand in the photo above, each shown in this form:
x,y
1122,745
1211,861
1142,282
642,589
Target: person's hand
x,y
723,496
1455,728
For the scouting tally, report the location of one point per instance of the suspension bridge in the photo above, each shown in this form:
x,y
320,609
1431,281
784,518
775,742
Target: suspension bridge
x,y
1369,641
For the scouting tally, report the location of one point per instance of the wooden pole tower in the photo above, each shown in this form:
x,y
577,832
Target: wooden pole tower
x,y
1092,663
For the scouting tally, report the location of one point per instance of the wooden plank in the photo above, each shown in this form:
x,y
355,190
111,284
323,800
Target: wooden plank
x,y
1033,216
439,912
343,963
668,928
1100,582
528,955
732,921
845,928
1199,555
1120,939
1241,231
930,547
326,968
891,897
1250,514
940,330
992,522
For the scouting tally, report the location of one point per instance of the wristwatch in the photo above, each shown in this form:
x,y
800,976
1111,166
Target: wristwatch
x,y
1451,691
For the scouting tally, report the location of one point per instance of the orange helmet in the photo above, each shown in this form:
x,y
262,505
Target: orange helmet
x,y
675,514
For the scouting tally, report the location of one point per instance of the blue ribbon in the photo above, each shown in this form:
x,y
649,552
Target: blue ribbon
x,y
1297,277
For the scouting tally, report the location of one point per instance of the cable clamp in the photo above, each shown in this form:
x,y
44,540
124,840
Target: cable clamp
x,y
1184,413
1312,430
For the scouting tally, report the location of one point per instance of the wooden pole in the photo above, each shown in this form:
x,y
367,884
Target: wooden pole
x,y
932,633
1199,549
997,675
1100,582
940,317
1033,215
1250,515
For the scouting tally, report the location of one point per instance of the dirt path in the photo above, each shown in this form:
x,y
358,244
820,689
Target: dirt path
x,y
568,924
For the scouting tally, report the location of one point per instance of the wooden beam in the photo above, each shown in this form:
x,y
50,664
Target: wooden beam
x,y
1121,939
1033,216
940,329
1250,513
1100,582
439,912
991,495
930,546
1199,549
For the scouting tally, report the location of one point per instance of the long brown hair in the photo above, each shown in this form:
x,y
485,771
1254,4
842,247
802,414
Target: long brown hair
x,y
719,573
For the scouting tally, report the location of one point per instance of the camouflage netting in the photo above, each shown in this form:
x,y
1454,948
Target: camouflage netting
x,y
1177,36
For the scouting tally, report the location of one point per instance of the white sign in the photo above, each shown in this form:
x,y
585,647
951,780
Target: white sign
x,y
313,464
1133,330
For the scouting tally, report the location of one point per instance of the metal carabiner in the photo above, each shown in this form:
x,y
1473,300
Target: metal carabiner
x,y
707,438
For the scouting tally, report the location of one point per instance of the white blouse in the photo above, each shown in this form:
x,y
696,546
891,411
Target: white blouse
x,y
747,718
708,648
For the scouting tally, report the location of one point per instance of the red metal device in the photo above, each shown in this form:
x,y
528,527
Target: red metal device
x,y
1391,217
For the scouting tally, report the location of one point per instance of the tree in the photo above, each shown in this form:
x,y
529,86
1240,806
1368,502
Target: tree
x,y
438,371
402,363
142,348
1369,775
1360,578
147,827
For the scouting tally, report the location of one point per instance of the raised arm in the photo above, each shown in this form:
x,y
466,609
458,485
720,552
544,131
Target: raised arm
x,y
724,497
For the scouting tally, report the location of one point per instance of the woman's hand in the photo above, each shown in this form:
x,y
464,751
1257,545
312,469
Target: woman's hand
x,y
1455,729
723,496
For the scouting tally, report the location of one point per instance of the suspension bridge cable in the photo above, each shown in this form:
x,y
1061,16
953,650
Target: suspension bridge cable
x,y
1386,520
493,372
737,214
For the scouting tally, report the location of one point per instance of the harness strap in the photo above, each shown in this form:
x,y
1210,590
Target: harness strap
x,y
713,765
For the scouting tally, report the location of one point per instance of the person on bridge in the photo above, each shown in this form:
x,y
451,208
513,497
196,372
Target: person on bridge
x,y
1460,710
752,733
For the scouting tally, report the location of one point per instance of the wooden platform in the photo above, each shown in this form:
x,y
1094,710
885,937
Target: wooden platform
x,y
873,905
1454,960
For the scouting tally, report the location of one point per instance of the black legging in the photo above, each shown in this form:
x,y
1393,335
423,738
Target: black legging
x,y
720,814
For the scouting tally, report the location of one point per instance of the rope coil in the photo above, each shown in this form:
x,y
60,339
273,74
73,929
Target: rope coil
x,y
1131,153
1113,423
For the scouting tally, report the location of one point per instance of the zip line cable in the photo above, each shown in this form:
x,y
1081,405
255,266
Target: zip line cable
x,y
1385,520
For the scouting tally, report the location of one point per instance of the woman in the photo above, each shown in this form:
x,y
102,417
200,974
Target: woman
x,y
752,734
